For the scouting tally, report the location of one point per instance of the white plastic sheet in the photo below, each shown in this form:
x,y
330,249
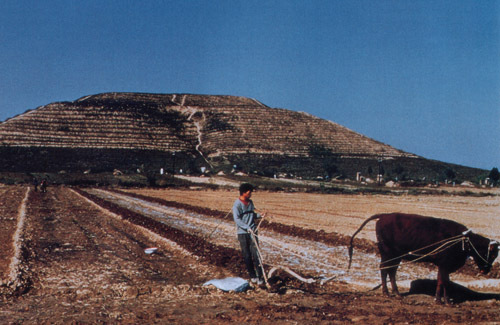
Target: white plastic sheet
x,y
150,250
229,284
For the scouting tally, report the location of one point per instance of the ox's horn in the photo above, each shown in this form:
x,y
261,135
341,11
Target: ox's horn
x,y
491,247
468,231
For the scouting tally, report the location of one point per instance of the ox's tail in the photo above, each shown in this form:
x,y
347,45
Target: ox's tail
x,y
353,235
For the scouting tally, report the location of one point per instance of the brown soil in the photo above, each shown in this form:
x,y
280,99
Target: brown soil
x,y
83,261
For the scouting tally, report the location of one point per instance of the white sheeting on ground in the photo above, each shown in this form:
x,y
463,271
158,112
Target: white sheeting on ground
x,y
229,284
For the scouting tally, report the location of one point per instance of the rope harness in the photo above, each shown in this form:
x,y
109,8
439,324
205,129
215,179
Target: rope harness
x,y
218,224
444,245
447,243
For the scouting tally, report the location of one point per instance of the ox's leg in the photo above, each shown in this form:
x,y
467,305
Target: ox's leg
x,y
383,270
391,271
442,283
383,274
392,276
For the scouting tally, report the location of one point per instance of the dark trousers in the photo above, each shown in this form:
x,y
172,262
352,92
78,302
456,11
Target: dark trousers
x,y
250,255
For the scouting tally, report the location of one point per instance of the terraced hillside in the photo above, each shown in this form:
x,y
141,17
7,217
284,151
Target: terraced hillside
x,y
179,131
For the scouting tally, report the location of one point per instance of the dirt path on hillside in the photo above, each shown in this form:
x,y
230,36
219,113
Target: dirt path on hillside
x,y
87,265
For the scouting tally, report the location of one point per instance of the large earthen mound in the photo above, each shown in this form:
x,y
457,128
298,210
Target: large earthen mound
x,y
181,131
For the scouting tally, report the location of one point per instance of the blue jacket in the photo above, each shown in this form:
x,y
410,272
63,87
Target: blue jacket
x,y
244,216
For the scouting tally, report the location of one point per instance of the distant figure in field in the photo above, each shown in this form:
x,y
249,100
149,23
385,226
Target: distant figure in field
x,y
35,184
43,186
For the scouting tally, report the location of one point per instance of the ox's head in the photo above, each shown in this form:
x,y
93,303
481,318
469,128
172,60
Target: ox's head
x,y
492,254
484,251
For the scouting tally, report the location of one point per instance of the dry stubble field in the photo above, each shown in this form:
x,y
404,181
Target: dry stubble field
x,y
81,258
344,213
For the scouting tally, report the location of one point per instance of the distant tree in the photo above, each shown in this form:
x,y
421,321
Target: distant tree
x,y
150,176
331,170
494,175
450,174
319,151
399,170
381,170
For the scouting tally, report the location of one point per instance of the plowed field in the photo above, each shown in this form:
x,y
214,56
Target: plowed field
x,y
78,256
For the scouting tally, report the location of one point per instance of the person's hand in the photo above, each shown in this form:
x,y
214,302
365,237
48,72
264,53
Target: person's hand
x,y
251,232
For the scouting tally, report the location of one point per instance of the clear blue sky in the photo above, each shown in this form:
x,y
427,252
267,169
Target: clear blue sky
x,y
422,76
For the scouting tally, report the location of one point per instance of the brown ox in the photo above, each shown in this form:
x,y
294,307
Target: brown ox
x,y
442,242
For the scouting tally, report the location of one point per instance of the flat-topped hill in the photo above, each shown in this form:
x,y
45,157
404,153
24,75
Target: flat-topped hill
x,y
184,131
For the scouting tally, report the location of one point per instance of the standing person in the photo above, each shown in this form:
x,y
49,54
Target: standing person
x,y
244,217
35,184
43,186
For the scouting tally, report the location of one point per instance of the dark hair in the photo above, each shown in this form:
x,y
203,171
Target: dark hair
x,y
245,187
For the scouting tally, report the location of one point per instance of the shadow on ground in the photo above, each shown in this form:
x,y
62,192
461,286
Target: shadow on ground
x,y
456,292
